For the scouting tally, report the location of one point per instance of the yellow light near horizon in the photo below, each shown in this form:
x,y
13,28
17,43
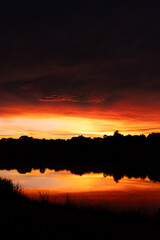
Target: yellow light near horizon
x,y
67,127
59,127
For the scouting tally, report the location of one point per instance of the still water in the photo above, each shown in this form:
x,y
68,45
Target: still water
x,y
92,188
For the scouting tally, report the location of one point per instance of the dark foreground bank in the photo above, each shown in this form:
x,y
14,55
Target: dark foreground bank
x,y
22,218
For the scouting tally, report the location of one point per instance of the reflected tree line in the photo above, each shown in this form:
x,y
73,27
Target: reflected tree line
x,y
117,155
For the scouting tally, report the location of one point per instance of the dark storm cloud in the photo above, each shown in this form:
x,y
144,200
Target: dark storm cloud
x,y
85,53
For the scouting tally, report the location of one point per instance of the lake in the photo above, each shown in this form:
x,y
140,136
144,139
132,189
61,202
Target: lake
x,y
95,189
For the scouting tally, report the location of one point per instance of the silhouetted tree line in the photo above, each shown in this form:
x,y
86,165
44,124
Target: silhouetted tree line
x,y
116,155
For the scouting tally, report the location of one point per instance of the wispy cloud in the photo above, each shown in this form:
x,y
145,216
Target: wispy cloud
x,y
72,99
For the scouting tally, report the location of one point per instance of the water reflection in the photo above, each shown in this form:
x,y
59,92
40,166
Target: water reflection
x,y
92,188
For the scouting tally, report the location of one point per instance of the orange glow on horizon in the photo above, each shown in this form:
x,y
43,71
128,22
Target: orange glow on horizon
x,y
66,121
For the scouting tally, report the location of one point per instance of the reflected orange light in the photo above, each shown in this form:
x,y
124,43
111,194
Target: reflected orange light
x,y
88,188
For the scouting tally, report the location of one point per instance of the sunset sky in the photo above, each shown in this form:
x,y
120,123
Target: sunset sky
x,y
79,67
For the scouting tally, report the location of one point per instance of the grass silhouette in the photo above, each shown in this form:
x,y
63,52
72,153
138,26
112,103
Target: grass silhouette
x,y
25,218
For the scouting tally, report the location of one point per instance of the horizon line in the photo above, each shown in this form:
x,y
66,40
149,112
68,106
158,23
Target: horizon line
x,y
81,135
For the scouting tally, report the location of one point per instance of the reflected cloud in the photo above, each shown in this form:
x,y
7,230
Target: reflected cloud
x,y
90,188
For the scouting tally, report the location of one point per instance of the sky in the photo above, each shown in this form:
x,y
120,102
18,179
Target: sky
x,y
79,67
